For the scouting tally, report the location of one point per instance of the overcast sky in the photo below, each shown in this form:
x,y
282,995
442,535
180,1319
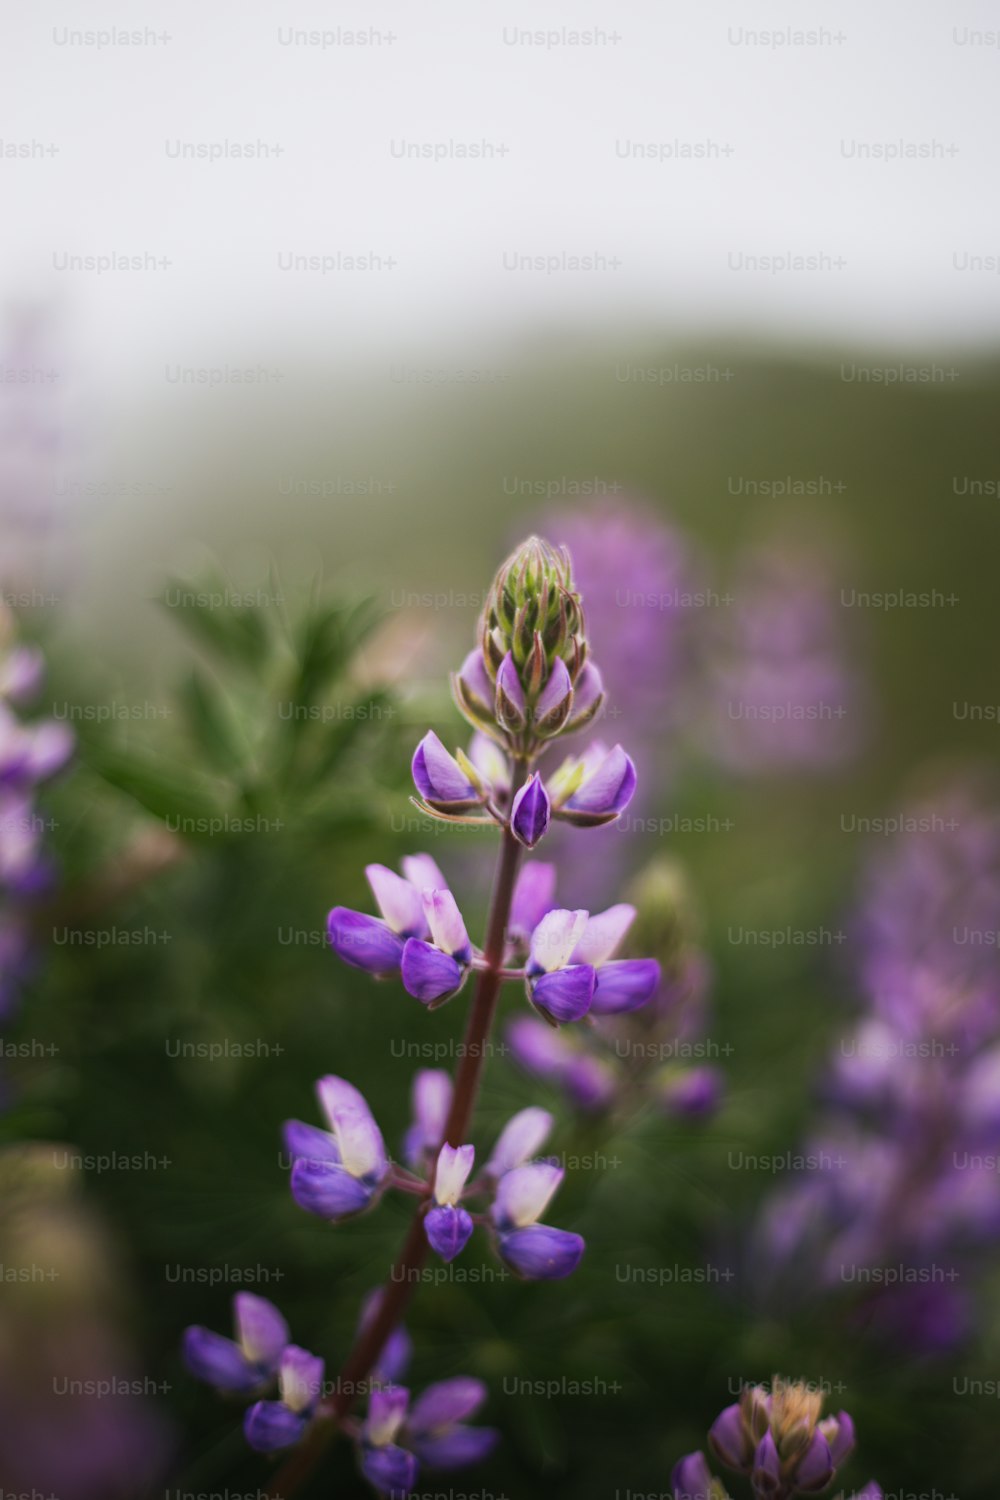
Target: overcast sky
x,y
682,149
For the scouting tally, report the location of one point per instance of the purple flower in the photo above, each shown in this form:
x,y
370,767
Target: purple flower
x,y
561,991
415,906
571,971
434,971
447,1225
530,814
533,897
340,1172
269,1425
594,788
532,1250
779,1439
446,785
590,1082
251,1359
436,1427
692,1479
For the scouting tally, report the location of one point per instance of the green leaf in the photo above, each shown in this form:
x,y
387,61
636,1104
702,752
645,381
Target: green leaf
x,y
212,723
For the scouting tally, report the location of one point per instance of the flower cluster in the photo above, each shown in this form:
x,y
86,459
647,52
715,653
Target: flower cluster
x,y
905,1177
566,959
779,1440
529,682
31,751
340,1172
395,1439
628,1057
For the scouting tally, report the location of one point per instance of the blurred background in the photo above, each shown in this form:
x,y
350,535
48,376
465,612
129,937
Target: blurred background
x,y
309,314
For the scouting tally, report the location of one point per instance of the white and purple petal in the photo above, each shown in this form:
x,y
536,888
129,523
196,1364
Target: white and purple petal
x,y
523,1136
603,934
260,1328
300,1379
454,1164
524,1193
554,939
534,894
446,925
422,872
398,901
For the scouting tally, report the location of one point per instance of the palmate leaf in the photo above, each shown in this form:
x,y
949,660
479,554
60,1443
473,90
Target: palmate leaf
x,y
212,724
181,798
235,632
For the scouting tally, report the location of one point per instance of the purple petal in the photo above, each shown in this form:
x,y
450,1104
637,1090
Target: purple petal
x,y
766,1472
391,1470
730,1441
477,680
362,1149
446,1402
395,1355
270,1425
554,939
456,1448
262,1331
565,995
446,925
814,1469
556,698
533,897
428,974
603,934
588,690
22,674
531,812
363,942
692,1478
300,1379
691,1092
589,1081
539,1253
608,790
398,901
538,1047
302,1140
438,776
218,1361
327,1190
625,984
524,1194
523,1136
448,1230
510,707
839,1433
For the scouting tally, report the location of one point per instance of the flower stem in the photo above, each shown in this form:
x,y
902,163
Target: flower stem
x,y
398,1290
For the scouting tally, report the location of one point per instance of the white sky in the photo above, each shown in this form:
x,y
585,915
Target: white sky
x,y
897,73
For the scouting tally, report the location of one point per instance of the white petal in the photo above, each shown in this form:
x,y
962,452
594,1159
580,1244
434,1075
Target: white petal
x,y
421,871
524,1194
398,901
445,921
555,937
453,1167
521,1138
603,934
